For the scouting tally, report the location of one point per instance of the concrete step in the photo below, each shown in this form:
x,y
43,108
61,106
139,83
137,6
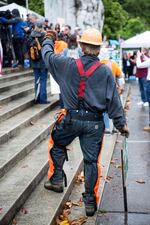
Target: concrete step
x,y
24,178
15,76
14,94
12,126
18,147
11,70
16,83
18,92
14,107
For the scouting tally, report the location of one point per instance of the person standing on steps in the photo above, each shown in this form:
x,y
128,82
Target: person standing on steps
x,y
39,69
88,90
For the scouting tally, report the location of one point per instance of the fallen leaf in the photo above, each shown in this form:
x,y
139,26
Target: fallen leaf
x,y
112,162
140,181
14,221
66,212
24,210
64,222
32,123
109,178
75,204
79,221
102,211
68,204
24,166
118,166
80,178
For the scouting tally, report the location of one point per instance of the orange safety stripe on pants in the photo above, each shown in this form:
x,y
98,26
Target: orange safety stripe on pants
x,y
60,116
99,173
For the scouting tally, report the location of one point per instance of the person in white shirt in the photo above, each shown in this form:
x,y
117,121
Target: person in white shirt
x,y
145,64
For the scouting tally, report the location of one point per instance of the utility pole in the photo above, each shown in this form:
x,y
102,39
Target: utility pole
x,y
27,5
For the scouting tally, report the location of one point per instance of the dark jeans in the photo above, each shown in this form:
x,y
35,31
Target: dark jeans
x,y
148,96
18,44
142,86
40,85
90,135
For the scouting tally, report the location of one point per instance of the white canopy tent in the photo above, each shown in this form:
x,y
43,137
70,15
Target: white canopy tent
x,y
138,41
23,11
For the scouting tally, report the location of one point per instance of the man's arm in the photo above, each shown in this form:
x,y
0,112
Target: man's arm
x,y
143,64
114,106
57,64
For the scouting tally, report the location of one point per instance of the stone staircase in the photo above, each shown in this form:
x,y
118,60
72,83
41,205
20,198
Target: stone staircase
x,y
24,133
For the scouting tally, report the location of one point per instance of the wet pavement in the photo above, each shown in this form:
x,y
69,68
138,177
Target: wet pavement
x,y
111,211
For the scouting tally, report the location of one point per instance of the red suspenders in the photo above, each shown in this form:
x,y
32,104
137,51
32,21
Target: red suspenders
x,y
84,75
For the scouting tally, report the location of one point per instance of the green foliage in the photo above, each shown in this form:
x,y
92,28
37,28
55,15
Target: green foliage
x,y
115,18
140,8
37,6
134,26
126,17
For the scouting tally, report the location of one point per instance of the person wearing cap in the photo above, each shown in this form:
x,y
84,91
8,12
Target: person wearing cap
x,y
88,90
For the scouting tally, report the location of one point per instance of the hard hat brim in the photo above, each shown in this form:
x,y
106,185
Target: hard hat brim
x,y
90,42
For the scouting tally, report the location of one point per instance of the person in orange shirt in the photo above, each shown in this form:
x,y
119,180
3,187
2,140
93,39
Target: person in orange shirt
x,y
60,44
117,73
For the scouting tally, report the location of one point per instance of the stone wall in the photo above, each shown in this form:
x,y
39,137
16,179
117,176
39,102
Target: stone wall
x,y
82,13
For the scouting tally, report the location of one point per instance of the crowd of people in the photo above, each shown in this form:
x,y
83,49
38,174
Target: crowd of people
x,y
136,66
20,49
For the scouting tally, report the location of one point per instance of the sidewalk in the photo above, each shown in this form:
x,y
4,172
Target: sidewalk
x,y
111,210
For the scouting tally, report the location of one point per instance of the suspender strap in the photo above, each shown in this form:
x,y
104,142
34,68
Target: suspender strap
x,y
84,75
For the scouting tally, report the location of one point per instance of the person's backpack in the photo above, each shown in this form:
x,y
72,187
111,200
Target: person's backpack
x,y
35,50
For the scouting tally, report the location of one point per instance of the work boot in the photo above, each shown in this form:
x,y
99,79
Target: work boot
x,y
90,204
59,188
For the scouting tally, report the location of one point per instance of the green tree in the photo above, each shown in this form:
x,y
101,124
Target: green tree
x,y
140,8
134,26
37,6
115,18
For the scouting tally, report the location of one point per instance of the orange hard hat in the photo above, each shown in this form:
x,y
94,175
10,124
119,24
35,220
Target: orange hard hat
x,y
91,36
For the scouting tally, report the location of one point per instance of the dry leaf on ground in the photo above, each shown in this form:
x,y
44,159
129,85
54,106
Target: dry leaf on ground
x,y
64,222
80,178
118,166
140,181
68,205
14,221
24,210
112,162
32,123
79,221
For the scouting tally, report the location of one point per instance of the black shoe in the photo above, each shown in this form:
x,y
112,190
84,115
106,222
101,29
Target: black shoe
x,y
59,188
90,204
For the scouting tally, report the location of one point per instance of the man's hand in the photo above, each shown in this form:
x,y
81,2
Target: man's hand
x,y
125,131
51,34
